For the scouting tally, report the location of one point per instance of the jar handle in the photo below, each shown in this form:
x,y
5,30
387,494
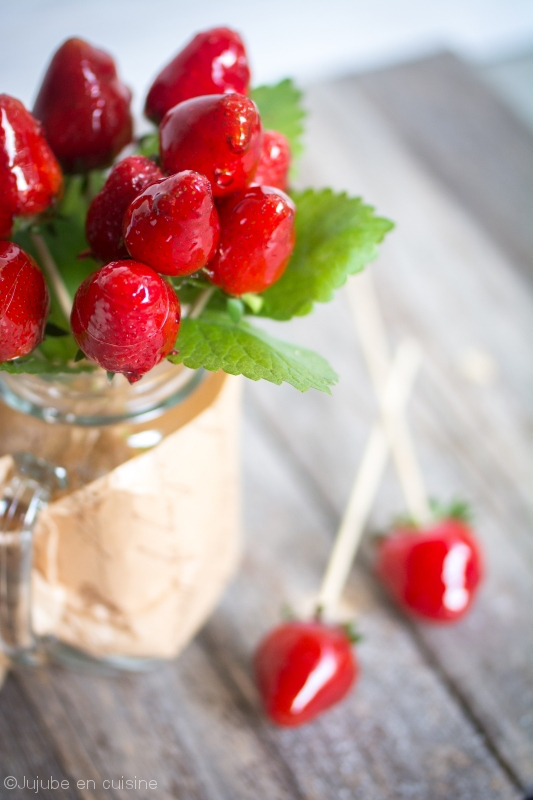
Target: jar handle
x,y
29,489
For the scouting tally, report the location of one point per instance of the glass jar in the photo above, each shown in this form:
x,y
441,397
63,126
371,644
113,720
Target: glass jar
x,y
119,523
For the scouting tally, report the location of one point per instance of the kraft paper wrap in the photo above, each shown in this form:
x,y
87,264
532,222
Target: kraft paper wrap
x,y
133,563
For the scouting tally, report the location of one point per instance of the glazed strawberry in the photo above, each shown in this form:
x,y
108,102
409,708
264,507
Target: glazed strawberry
x,y
302,669
103,226
173,225
432,573
218,135
30,177
84,107
214,62
274,162
126,318
256,240
24,302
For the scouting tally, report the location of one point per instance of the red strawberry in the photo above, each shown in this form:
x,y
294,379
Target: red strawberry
x,y
214,62
30,177
24,302
173,225
103,226
218,135
302,669
126,318
84,107
274,162
433,573
257,238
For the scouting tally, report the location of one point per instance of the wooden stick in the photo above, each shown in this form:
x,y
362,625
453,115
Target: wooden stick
x,y
52,273
368,478
369,323
200,303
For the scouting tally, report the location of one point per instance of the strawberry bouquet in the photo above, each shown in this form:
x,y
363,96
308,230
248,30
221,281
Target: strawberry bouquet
x,y
165,246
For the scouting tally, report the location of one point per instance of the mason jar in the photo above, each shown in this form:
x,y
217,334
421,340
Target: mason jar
x,y
119,513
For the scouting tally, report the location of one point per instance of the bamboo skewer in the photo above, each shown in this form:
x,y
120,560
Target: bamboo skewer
x,y
395,396
200,303
369,324
52,273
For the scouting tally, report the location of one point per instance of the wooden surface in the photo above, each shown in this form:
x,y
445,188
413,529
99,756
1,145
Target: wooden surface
x,y
439,713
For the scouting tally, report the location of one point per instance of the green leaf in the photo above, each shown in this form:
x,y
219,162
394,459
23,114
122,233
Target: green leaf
x,y
37,364
214,342
455,509
65,238
59,350
235,308
281,110
336,236
148,145
253,301
64,234
54,330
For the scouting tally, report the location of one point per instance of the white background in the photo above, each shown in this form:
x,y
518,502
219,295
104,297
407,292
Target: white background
x,y
302,38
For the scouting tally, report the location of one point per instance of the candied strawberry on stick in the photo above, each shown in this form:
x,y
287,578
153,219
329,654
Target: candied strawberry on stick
x,y
103,226
218,135
126,318
24,302
214,62
30,177
84,107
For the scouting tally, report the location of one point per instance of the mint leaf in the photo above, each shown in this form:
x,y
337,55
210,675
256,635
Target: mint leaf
x,y
281,110
214,342
336,236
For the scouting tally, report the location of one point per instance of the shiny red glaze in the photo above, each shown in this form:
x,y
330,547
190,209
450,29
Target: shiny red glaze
x,y
30,177
24,302
218,135
214,62
84,107
274,162
126,318
173,225
103,227
433,573
302,669
6,220
257,238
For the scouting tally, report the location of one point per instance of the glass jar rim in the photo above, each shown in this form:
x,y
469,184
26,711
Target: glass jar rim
x,y
90,399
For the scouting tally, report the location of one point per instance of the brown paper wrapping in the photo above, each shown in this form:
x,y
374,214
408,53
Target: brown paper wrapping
x,y
133,563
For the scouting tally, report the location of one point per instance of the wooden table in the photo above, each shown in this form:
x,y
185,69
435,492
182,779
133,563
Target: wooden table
x,y
439,713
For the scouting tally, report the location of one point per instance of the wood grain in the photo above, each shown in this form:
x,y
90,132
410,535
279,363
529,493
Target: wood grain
x,y
467,138
27,750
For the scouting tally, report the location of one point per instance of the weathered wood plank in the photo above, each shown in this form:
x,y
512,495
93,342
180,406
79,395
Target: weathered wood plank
x,y
400,734
468,138
26,751
179,726
441,279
